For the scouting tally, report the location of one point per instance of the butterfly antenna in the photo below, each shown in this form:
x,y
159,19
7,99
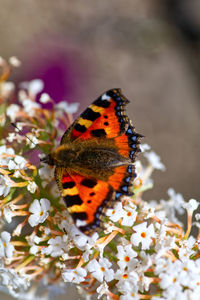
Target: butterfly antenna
x,y
20,131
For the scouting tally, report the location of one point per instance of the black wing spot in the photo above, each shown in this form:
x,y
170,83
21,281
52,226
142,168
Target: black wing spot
x,y
68,185
80,128
102,103
92,193
79,216
106,117
71,200
91,115
89,182
98,133
89,201
106,123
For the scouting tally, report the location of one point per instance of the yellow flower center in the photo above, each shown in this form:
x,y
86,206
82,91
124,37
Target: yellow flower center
x,y
125,276
128,213
102,269
41,213
143,234
126,258
4,244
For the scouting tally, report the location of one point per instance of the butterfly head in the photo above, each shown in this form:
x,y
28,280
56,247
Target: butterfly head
x,y
61,157
48,159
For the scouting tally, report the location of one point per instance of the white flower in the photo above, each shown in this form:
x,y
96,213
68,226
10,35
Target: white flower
x,y
7,213
127,281
145,263
46,174
14,61
17,163
175,203
30,106
69,108
117,213
32,187
174,292
6,249
31,140
176,200
130,214
143,235
169,279
161,265
34,86
101,270
39,210
4,186
75,275
12,111
6,151
191,205
45,98
102,289
56,247
197,217
164,243
144,282
154,160
125,256
11,137
34,249
129,296
17,174
22,95
147,209
13,282
7,88
144,147
32,241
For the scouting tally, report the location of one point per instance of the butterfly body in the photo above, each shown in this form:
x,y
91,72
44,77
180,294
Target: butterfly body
x,y
91,156
95,161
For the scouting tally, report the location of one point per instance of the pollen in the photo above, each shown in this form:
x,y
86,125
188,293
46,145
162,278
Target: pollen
x,y
102,269
113,212
4,244
129,214
143,234
174,280
125,276
41,213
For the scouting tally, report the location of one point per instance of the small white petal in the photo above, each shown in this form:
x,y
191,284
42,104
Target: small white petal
x,y
45,98
35,86
191,205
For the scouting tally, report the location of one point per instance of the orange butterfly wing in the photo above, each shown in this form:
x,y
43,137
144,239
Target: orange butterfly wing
x,y
104,119
85,198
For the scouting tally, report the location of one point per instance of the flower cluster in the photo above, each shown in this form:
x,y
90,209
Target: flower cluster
x,y
143,252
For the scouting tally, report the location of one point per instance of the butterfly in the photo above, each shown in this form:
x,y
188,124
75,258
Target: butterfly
x,y
94,164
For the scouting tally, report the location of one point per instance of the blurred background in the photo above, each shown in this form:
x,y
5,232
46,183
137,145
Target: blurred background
x,y
150,49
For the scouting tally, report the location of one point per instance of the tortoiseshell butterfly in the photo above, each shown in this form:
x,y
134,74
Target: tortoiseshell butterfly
x,y
95,160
